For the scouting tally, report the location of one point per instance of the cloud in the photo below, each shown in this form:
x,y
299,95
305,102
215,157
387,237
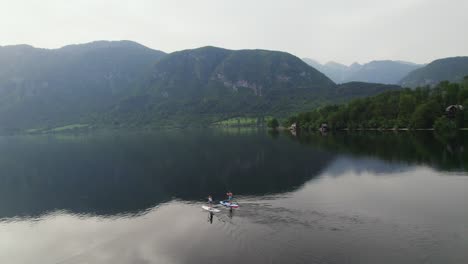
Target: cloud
x,y
340,30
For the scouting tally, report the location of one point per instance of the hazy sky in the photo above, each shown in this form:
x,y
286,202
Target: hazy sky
x,y
339,30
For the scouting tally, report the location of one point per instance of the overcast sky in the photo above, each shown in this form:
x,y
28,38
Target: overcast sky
x,y
338,30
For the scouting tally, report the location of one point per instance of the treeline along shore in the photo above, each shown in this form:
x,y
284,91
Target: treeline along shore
x,y
443,107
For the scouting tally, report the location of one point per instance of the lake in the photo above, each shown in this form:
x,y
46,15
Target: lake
x,y
136,197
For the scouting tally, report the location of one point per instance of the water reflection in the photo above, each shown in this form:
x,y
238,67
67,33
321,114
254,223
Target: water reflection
x,y
420,147
136,198
210,217
114,173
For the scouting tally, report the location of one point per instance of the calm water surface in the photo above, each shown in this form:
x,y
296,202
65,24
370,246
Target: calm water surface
x,y
128,197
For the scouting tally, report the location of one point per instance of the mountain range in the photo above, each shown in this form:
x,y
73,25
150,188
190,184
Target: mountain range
x,y
125,83
405,74
379,71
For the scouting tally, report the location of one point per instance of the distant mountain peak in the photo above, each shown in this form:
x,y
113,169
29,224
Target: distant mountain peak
x,y
408,62
105,44
19,46
309,60
355,65
334,63
376,71
203,48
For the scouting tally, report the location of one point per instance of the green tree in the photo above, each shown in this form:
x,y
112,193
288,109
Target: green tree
x,y
406,108
444,125
463,94
273,123
465,82
425,115
451,94
418,108
465,113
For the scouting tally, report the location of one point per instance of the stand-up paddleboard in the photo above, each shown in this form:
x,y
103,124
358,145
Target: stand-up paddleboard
x,y
229,204
213,210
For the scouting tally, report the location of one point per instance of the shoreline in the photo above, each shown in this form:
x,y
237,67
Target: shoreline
x,y
378,129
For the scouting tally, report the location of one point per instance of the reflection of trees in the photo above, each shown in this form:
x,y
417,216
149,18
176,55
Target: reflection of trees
x,y
116,173
421,147
111,173
273,133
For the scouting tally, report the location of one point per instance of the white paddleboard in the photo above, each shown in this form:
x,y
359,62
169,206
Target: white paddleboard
x,y
228,204
213,210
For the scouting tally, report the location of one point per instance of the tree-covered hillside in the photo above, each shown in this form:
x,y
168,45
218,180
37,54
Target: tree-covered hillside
x,y
406,108
351,90
448,69
40,87
126,84
208,84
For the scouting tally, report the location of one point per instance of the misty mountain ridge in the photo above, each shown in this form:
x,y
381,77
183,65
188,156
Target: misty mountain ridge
x,y
377,71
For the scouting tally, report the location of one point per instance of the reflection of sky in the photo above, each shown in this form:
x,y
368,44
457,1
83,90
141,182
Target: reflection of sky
x,y
390,190
345,164
71,239
415,215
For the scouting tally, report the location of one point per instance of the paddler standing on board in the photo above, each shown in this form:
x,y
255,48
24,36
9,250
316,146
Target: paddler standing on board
x,y
210,201
229,195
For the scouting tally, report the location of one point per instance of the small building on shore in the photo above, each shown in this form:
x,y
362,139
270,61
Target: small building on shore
x,y
293,127
323,128
452,110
